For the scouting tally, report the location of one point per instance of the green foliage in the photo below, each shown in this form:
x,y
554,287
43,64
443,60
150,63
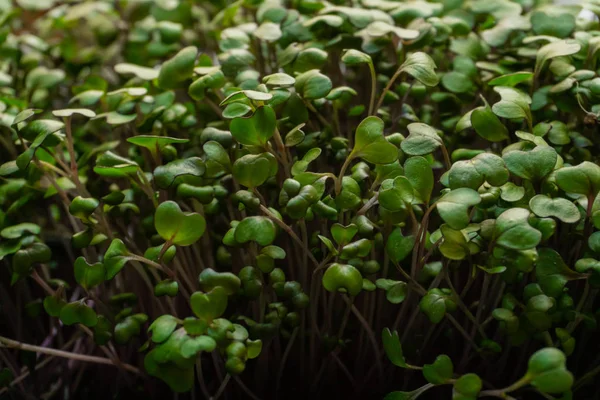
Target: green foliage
x,y
235,190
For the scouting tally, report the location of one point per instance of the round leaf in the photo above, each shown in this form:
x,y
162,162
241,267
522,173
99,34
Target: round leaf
x,y
174,225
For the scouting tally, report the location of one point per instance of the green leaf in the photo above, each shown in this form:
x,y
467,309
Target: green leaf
x,y
115,118
354,57
253,170
395,291
453,207
371,145
440,371
418,171
594,242
532,165
53,305
343,234
487,125
87,98
511,192
144,73
182,229
192,346
581,179
268,31
88,275
78,313
485,167
25,258
209,279
165,175
68,112
397,194
255,130
551,23
9,168
44,78
457,82
176,70
552,273
8,247
342,278
40,127
173,368
467,387
398,246
115,258
209,306
331,20
436,303
236,110
155,143
455,245
423,139
381,28
552,50
19,230
557,131
313,85
25,158
329,244
214,80
216,155
349,197
514,103
83,208
295,136
393,348
166,287
259,229
563,209
112,165
279,79
25,115
512,230
162,328
511,79
421,66
300,166
254,348
547,371
40,132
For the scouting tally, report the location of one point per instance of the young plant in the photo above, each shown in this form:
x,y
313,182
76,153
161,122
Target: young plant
x,y
264,199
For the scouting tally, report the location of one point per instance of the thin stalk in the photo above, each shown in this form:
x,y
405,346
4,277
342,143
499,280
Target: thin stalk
x,y
590,374
373,87
464,308
387,88
345,318
447,161
245,388
338,181
319,116
200,378
289,231
502,392
13,344
370,333
282,150
284,358
73,160
372,201
221,388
